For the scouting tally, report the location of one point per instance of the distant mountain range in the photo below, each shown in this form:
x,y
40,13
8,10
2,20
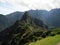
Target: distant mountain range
x,y
50,18
4,22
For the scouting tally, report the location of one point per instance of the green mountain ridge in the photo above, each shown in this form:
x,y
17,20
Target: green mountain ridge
x,y
25,31
21,32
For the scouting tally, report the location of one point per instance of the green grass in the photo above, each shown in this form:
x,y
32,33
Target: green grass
x,y
47,41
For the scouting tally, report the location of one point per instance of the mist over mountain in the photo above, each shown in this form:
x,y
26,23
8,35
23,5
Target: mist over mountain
x,y
3,22
29,22
55,17
50,18
22,28
13,17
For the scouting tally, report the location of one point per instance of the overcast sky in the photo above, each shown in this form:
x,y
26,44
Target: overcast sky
x,y
8,6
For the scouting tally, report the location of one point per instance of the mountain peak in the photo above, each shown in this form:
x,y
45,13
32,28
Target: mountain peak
x,y
26,14
26,17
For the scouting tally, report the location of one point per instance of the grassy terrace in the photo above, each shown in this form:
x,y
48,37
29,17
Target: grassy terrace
x,y
51,40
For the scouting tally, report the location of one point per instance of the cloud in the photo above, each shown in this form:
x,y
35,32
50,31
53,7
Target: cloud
x,y
8,6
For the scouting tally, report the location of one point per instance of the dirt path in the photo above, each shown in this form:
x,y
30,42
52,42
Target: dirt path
x,y
58,43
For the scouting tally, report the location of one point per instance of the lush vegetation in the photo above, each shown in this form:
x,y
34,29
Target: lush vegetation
x,y
25,31
51,39
47,41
